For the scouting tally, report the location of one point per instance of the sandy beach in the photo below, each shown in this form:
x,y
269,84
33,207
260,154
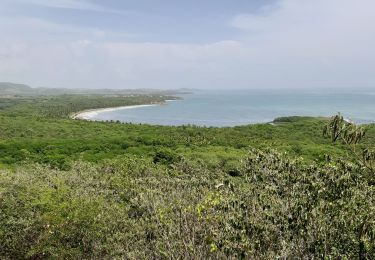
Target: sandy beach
x,y
92,113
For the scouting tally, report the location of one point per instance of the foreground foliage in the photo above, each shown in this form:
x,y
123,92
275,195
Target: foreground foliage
x,y
132,208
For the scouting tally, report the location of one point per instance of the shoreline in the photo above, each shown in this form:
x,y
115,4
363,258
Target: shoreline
x,y
89,114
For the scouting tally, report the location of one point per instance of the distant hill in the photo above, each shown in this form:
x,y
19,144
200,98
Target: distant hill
x,y
7,88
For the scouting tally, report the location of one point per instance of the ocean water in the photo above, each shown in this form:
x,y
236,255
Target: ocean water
x,y
241,107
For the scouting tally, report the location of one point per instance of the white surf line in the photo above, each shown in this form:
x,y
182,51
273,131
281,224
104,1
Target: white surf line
x,y
92,113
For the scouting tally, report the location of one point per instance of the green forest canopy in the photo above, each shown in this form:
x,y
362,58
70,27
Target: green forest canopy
x,y
79,189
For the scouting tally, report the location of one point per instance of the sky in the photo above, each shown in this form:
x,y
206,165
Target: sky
x,y
170,44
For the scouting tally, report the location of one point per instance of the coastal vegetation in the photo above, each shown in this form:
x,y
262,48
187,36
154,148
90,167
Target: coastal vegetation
x,y
300,187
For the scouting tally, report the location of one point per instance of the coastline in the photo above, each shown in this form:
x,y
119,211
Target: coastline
x,y
91,113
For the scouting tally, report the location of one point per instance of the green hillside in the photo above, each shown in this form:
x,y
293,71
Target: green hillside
x,y
73,189
7,88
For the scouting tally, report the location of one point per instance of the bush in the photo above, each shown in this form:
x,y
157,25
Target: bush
x,y
165,156
131,208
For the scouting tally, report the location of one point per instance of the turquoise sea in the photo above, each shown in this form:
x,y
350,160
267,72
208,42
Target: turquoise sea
x,y
241,107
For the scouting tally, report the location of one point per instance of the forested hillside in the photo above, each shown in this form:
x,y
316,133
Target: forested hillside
x,y
71,189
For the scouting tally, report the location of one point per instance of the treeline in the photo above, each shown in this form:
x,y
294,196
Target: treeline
x,y
63,106
60,142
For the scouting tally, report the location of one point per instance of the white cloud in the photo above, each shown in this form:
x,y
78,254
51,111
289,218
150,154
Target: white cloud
x,y
295,43
88,64
326,42
32,30
319,27
71,4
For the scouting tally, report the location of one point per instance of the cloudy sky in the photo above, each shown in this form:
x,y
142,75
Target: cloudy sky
x,y
188,43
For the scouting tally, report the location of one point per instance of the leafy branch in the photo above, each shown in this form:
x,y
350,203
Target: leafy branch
x,y
351,135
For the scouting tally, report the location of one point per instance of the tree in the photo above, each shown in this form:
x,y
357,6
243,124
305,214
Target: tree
x,y
351,135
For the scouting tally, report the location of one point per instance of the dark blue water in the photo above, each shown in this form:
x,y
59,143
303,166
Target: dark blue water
x,y
241,107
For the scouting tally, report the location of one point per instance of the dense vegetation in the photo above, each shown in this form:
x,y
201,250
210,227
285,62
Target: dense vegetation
x,y
63,106
38,129
75,189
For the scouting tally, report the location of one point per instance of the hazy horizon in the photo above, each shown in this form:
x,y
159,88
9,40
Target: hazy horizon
x,y
165,44
305,89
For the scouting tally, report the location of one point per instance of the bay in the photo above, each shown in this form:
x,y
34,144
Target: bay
x,y
240,107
